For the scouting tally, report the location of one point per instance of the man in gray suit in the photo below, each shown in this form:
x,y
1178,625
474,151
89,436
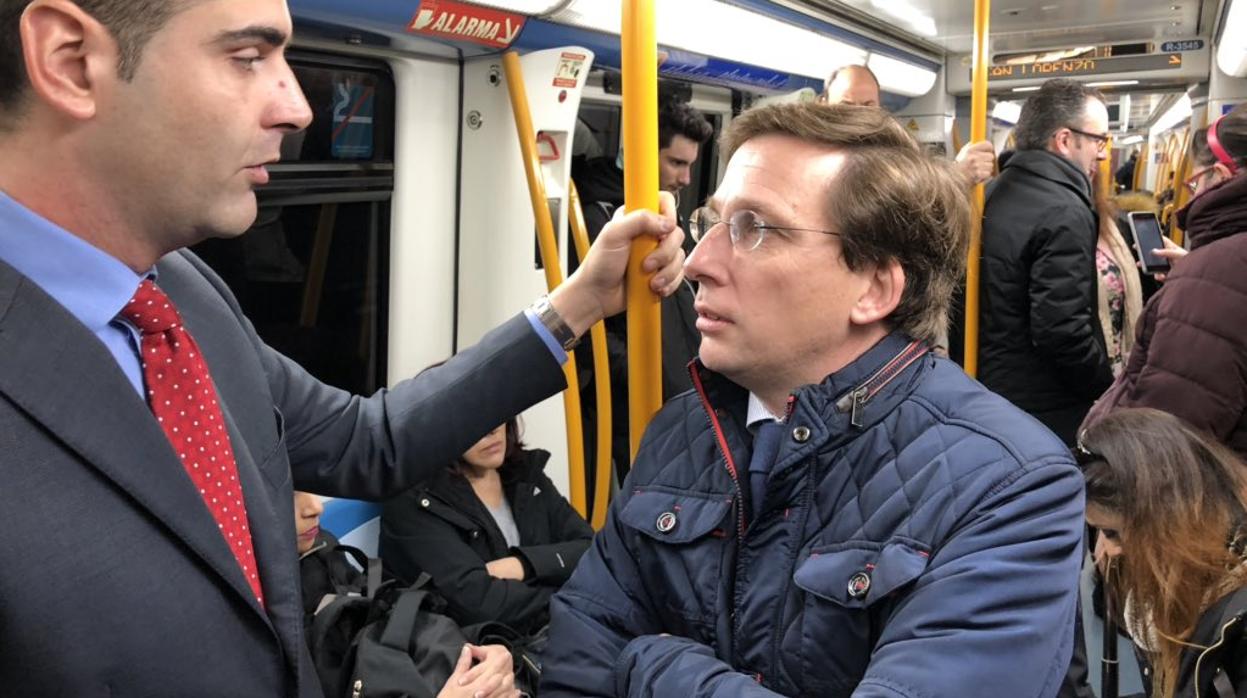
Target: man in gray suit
x,y
143,559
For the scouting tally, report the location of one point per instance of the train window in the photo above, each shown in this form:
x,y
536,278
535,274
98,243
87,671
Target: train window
x,y
312,272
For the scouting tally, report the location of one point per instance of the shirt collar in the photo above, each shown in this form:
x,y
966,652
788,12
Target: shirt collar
x,y
757,414
91,284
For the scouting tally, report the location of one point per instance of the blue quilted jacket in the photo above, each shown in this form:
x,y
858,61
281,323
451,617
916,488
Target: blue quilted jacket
x,y
919,536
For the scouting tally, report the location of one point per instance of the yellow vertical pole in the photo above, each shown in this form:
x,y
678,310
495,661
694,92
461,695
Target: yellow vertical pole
x,y
554,272
1140,166
978,132
640,131
601,377
1105,181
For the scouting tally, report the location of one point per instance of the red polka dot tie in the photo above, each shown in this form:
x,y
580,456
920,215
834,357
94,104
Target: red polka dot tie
x,y
184,400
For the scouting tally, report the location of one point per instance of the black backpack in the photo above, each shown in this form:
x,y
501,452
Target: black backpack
x,y
373,639
409,651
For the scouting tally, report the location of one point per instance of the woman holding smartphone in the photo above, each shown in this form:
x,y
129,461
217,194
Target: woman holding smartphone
x,y
1190,355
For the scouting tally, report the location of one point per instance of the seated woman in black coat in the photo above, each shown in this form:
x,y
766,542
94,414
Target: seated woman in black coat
x,y
493,532
1169,507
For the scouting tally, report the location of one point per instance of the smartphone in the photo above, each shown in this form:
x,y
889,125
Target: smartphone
x,y
1145,229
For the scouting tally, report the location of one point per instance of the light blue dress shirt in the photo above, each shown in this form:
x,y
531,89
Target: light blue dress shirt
x,y
91,284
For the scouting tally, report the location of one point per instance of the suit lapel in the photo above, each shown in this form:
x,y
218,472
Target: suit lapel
x,y
58,372
252,422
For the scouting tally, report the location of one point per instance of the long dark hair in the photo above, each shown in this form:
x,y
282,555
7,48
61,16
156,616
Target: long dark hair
x,y
511,455
1181,497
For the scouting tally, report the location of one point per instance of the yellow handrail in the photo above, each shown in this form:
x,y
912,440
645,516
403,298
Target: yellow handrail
x,y
978,132
1105,181
601,377
1140,166
640,131
1182,196
554,272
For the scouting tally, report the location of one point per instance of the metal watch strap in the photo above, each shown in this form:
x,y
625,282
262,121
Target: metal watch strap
x,y
555,323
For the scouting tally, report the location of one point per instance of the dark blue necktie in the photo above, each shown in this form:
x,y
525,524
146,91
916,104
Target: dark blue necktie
x,y
765,446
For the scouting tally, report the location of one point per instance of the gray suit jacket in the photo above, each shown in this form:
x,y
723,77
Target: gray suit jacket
x,y
115,581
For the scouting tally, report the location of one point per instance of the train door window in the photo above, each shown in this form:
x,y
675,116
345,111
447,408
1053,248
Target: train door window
x,y
312,272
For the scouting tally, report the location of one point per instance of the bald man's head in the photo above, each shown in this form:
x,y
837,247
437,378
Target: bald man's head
x,y
852,84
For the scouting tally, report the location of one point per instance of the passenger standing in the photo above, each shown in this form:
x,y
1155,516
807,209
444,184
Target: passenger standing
x,y
833,510
1041,344
1168,506
492,531
1119,291
857,85
1191,355
682,131
135,394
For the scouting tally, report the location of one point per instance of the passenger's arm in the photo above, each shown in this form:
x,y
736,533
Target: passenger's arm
x,y
370,448
993,613
1062,298
654,666
373,447
552,563
606,636
415,540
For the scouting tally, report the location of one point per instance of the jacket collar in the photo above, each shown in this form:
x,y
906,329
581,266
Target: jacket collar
x,y
1217,213
827,400
1053,168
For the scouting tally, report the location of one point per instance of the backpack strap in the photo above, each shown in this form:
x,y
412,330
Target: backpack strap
x,y
402,618
370,565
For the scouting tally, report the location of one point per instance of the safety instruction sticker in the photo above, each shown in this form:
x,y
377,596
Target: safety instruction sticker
x,y
568,71
462,22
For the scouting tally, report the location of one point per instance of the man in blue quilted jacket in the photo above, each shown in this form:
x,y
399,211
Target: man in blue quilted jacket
x,y
833,510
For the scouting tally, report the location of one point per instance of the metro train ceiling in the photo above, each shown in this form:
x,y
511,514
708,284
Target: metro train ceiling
x,y
1022,25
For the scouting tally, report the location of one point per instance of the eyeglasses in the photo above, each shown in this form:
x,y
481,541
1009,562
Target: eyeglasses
x,y
1192,182
746,229
1101,140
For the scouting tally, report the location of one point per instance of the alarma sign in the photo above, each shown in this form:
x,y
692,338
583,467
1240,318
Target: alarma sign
x,y
463,22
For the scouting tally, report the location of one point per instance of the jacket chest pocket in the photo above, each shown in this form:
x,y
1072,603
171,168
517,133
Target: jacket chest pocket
x,y
681,540
473,533
848,591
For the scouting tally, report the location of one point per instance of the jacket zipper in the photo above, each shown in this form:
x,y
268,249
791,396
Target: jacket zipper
x,y
854,400
721,440
1220,641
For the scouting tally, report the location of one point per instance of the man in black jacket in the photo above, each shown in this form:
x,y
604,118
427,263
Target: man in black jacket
x,y
1041,346
681,133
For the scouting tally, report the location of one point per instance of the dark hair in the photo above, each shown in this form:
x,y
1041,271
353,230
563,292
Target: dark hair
x,y
510,455
132,24
1058,104
1180,496
1231,132
676,118
854,66
891,201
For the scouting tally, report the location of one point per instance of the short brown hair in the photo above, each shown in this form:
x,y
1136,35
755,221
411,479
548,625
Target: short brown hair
x,y
890,202
131,22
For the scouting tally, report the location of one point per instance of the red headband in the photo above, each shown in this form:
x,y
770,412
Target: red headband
x,y
1214,144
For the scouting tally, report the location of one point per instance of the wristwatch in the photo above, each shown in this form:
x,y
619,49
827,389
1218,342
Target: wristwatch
x,y
554,322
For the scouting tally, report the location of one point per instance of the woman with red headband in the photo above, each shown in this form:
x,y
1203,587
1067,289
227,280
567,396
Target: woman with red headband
x,y
1190,353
